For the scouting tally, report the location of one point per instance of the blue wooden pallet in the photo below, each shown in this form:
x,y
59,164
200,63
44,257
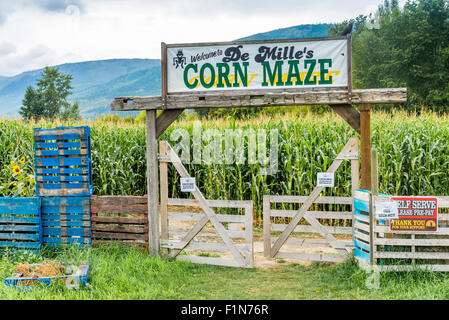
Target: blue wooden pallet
x,y
20,223
66,220
63,162
17,280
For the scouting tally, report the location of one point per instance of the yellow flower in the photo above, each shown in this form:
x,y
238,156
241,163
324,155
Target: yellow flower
x,y
22,160
30,178
16,170
14,184
12,164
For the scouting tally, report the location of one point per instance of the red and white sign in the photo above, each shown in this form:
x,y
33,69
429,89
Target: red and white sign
x,y
415,214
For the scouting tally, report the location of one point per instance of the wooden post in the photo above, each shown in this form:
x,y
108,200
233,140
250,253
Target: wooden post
x,y
355,176
374,192
164,86
365,137
266,226
152,184
164,194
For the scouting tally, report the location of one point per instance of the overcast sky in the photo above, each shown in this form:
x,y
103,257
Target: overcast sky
x,y
34,34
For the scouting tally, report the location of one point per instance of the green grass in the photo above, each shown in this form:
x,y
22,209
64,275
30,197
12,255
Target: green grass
x,y
129,273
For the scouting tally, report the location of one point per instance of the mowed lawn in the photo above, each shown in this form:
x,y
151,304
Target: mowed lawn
x,y
128,273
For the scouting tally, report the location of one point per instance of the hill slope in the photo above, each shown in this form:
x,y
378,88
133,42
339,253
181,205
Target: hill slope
x,y
96,83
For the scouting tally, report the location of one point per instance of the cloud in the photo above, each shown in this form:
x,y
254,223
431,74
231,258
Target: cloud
x,y
7,48
60,5
36,56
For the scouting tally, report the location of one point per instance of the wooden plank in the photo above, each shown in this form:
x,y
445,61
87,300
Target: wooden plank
x,y
406,268
201,246
411,242
349,114
165,119
337,215
365,141
152,183
120,220
164,192
164,74
212,203
249,254
135,205
310,256
412,255
319,200
261,98
120,229
386,229
119,236
312,229
197,216
233,43
267,226
311,242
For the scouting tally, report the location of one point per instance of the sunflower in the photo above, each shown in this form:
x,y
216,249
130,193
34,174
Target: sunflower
x,y
12,164
30,178
22,160
16,170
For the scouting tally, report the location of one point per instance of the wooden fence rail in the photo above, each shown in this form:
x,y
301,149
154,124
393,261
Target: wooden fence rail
x,y
120,218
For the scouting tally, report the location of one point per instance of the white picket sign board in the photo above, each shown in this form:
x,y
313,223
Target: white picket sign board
x,y
325,179
386,210
249,65
187,184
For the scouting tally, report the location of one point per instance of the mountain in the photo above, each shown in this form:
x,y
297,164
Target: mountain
x,y
96,83
301,31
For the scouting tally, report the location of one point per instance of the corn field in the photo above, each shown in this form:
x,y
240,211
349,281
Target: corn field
x,y
413,156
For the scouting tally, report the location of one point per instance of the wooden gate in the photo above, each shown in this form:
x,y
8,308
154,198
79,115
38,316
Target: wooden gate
x,y
333,227
191,226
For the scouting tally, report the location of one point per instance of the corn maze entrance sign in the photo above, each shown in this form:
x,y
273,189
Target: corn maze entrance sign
x,y
258,65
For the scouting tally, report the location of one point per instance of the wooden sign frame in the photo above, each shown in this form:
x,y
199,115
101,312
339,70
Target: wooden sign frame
x,y
164,66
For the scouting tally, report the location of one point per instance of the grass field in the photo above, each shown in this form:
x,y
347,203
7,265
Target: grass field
x,y
128,273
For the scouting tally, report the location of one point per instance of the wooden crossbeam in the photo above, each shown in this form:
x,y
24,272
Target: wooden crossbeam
x,y
209,213
349,114
165,119
260,98
348,152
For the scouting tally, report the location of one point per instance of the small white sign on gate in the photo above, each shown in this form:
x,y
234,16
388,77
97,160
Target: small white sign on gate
x,y
325,179
187,184
387,210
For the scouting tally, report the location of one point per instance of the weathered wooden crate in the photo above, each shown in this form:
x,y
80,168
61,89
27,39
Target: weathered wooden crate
x,y
79,278
63,161
66,220
120,218
362,226
20,223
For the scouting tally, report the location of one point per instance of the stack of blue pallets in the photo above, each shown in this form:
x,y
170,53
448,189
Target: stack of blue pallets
x,y
20,223
63,161
63,169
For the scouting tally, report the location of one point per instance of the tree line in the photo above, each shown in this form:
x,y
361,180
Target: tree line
x,y
404,47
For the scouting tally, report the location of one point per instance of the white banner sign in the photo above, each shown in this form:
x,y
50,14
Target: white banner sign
x,y
187,184
262,65
325,179
387,210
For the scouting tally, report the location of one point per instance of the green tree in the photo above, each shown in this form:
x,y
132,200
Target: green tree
x,y
409,49
49,99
